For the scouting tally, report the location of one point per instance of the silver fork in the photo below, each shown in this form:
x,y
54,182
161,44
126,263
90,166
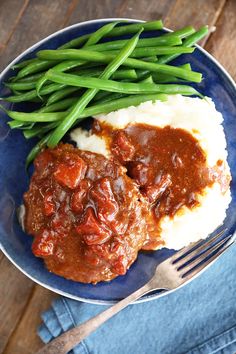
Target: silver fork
x,y
170,274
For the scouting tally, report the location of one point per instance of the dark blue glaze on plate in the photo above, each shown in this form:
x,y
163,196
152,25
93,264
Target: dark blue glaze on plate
x,y
16,245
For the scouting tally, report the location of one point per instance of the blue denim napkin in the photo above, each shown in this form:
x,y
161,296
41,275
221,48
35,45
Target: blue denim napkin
x,y
198,318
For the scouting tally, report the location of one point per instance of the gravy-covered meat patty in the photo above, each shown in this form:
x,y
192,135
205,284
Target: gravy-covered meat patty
x,y
87,217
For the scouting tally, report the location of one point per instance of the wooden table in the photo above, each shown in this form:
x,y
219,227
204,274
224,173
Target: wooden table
x,y
23,23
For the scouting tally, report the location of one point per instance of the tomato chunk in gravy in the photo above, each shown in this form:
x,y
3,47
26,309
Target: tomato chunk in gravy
x,y
86,215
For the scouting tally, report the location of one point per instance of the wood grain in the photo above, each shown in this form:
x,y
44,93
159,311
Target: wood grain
x,y
15,290
142,9
23,24
25,339
10,14
222,43
40,19
199,14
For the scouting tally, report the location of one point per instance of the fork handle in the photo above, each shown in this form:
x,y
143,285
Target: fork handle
x,y
68,340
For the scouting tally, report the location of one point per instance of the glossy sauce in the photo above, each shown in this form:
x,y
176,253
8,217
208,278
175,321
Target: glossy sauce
x,y
90,215
87,217
167,163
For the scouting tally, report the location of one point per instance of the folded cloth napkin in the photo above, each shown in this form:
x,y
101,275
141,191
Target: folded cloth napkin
x,y
198,318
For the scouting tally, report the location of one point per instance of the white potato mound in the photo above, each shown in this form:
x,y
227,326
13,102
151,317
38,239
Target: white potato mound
x,y
197,116
89,142
204,122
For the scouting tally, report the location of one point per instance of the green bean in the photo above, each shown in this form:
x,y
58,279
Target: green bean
x,y
153,67
182,32
14,124
24,63
119,74
144,42
148,80
30,78
114,45
131,62
60,105
112,104
118,31
71,64
58,95
93,39
146,51
162,78
172,38
39,130
40,117
28,96
23,86
188,42
35,67
99,108
107,97
100,33
70,119
115,86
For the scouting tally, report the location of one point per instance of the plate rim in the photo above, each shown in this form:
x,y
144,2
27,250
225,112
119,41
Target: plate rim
x,y
5,70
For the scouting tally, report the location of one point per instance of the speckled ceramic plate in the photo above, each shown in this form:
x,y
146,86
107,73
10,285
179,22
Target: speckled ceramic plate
x,y
14,182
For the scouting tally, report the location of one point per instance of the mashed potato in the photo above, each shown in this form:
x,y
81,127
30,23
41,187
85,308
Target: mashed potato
x,y
200,118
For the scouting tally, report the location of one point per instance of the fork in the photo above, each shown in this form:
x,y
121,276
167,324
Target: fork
x,y
169,275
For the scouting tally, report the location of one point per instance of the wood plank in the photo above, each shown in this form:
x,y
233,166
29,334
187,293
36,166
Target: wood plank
x,y
200,13
40,19
25,339
1,256
142,9
222,43
15,290
10,14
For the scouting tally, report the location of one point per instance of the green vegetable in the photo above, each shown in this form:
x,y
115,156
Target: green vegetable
x,y
70,119
60,105
41,117
23,86
93,84
99,109
130,62
39,130
58,95
36,65
56,54
100,33
188,42
24,63
119,74
118,31
28,96
93,39
109,85
182,32
147,51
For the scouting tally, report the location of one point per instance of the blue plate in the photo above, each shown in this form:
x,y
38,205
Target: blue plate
x,y
14,182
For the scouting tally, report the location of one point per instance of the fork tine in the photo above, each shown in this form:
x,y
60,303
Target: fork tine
x,y
193,249
200,266
190,257
193,263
